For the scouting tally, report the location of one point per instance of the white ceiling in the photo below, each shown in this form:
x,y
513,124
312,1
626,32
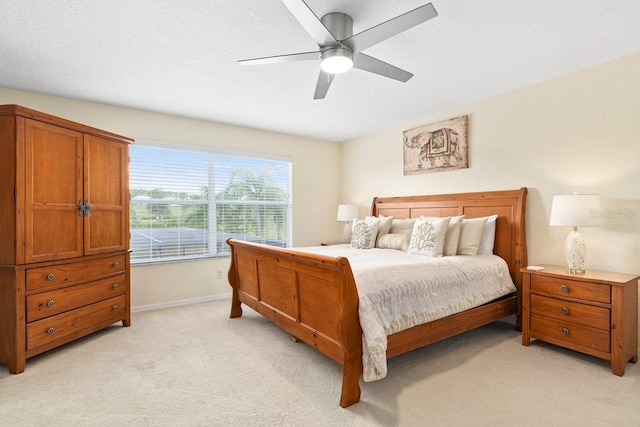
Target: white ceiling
x,y
179,56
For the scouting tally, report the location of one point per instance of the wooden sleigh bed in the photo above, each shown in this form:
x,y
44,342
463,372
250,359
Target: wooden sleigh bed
x,y
314,297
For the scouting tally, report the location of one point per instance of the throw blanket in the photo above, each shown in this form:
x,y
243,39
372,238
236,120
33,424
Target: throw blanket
x,y
398,290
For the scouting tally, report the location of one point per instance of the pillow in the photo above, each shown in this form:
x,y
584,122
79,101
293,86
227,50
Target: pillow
x,y
428,235
364,232
384,227
399,241
453,236
488,236
402,225
470,234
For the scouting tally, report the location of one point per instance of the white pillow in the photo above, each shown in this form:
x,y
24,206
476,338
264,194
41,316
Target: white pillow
x,y
488,236
453,236
384,227
428,235
364,232
399,241
470,234
402,225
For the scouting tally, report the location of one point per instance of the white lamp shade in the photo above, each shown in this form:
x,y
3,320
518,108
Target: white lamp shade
x,y
576,210
347,212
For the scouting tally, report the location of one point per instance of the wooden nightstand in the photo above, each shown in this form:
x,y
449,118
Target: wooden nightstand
x,y
595,313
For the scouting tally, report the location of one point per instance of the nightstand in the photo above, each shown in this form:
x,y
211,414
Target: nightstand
x,y
595,313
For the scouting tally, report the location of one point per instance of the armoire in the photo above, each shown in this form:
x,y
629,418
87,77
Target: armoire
x,y
64,232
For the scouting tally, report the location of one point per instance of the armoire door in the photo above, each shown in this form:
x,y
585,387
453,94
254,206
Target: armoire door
x,y
53,226
106,195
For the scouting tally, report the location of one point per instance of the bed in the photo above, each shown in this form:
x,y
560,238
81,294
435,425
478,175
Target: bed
x,y
314,296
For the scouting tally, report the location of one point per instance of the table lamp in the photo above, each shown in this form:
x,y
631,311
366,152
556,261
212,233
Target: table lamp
x,y
347,213
575,210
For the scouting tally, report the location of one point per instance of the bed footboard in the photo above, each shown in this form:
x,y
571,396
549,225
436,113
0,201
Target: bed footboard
x,y
313,297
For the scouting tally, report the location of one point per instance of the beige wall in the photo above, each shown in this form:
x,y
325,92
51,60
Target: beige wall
x,y
580,132
316,178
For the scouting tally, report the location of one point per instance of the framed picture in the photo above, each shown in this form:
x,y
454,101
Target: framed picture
x,y
436,147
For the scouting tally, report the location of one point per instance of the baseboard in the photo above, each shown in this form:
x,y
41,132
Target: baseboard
x,y
139,308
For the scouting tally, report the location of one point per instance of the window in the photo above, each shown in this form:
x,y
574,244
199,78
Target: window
x,y
185,202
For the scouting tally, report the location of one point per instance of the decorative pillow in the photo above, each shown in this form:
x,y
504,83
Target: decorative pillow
x,y
428,235
470,234
402,225
364,233
399,241
488,236
453,236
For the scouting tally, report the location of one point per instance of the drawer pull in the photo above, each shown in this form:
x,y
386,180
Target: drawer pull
x,y
565,331
565,310
115,286
115,308
50,276
564,288
50,331
116,263
50,303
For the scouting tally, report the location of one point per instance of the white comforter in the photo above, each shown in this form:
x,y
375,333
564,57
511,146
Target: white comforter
x,y
398,290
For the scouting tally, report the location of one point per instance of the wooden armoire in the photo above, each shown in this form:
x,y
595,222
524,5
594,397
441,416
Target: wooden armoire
x,y
64,232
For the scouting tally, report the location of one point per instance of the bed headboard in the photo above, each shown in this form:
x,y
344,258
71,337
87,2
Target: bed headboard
x,y
509,205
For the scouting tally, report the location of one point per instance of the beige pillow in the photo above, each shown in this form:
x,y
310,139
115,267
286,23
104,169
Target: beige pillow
x,y
428,236
402,225
488,236
470,234
453,236
399,241
364,232
384,226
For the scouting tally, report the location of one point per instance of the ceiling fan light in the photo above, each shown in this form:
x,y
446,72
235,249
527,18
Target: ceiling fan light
x,y
336,60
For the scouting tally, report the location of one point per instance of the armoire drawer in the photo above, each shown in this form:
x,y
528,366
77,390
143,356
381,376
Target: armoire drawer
x,y
62,274
73,322
597,339
45,304
562,287
566,311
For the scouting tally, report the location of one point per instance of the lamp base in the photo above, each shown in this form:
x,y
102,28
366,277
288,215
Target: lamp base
x,y
347,232
574,252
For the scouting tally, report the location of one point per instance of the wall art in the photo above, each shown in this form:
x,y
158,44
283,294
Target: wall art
x,y
436,147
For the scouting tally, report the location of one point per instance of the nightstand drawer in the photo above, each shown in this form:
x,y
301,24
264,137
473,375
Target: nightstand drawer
x,y
571,288
570,332
588,315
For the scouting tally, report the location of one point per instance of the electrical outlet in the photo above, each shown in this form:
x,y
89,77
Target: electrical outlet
x,y
218,274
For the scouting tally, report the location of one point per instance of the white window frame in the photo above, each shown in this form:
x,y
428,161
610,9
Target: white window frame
x,y
213,234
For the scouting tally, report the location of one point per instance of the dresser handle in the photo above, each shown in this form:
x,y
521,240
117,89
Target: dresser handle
x,y
50,331
50,276
116,263
565,331
564,288
115,286
565,310
50,303
115,308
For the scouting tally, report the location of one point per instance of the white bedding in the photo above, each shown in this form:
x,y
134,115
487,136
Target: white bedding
x,y
398,290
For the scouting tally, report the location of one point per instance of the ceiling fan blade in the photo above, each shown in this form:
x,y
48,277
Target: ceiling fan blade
x,y
390,28
310,22
304,56
373,65
324,81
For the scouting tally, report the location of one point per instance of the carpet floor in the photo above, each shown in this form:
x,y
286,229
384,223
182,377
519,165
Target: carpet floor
x,y
193,366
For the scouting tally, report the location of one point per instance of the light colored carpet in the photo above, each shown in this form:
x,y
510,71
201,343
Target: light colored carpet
x,y
193,366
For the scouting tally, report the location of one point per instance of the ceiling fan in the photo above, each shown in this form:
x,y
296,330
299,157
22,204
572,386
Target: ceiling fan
x,y
340,49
